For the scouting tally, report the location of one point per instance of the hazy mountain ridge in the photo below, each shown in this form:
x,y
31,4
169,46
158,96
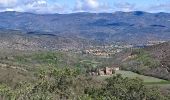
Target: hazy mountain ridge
x,y
131,27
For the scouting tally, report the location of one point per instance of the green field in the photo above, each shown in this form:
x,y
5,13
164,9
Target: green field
x,y
147,79
134,75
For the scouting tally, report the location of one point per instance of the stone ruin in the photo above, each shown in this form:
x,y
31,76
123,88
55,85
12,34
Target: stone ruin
x,y
104,71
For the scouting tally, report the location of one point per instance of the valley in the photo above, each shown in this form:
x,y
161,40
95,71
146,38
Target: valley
x,y
59,56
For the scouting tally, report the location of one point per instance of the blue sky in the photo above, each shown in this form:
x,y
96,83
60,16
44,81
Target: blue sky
x,y
72,6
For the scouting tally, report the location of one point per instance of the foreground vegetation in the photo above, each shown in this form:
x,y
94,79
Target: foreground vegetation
x,y
61,76
67,83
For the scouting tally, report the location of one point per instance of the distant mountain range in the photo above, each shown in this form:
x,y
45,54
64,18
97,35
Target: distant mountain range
x,y
83,28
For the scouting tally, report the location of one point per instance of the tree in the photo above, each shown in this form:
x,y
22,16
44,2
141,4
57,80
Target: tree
x,y
119,88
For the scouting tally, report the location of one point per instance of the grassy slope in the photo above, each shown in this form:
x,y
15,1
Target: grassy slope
x,y
147,79
134,75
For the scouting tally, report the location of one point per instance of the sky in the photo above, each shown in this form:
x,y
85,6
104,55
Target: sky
x,y
94,6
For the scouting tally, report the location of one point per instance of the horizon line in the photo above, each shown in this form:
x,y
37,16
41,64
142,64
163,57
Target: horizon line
x,y
87,12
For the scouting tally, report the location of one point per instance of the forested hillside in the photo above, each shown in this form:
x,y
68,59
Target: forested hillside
x,y
152,60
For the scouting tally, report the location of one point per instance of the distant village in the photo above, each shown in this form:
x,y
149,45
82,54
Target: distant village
x,y
109,50
105,50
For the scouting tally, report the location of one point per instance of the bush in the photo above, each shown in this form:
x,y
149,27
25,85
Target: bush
x,y
118,88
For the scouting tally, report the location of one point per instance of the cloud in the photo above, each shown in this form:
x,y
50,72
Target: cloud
x,y
90,6
43,6
8,5
124,6
97,6
7,2
160,7
34,6
83,5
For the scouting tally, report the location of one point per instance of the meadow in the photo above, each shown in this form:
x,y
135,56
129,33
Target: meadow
x,y
148,80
